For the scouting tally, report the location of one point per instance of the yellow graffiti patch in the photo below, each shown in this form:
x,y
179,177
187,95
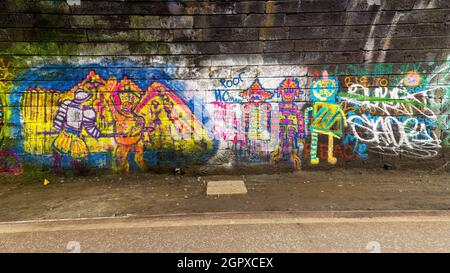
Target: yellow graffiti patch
x,y
169,122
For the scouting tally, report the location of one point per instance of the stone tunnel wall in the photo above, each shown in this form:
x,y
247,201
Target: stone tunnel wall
x,y
220,85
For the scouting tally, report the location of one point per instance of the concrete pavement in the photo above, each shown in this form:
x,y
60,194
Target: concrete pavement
x,y
355,231
144,194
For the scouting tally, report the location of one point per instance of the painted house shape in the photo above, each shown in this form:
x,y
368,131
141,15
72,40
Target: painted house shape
x,y
171,121
257,112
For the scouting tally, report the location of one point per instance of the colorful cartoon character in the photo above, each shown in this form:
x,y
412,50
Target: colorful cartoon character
x,y
257,116
328,117
71,117
129,126
291,123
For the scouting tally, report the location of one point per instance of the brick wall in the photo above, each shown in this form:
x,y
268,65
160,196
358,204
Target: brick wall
x,y
218,85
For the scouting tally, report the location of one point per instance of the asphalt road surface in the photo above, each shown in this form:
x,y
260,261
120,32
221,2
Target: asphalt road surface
x,y
250,232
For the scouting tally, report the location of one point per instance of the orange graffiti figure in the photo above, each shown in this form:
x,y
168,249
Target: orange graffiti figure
x,y
412,79
129,126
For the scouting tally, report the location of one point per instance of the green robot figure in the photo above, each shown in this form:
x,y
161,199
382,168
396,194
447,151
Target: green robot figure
x,y
327,116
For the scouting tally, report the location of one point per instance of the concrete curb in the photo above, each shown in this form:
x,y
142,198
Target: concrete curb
x,y
215,219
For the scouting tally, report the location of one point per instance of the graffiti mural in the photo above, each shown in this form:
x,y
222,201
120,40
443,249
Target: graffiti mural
x,y
122,99
444,117
5,74
8,158
291,123
227,124
71,118
10,161
360,111
366,81
124,117
327,116
257,115
395,121
441,78
1,121
170,122
112,121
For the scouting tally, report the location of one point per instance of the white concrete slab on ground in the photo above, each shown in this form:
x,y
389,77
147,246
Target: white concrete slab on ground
x,y
226,187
